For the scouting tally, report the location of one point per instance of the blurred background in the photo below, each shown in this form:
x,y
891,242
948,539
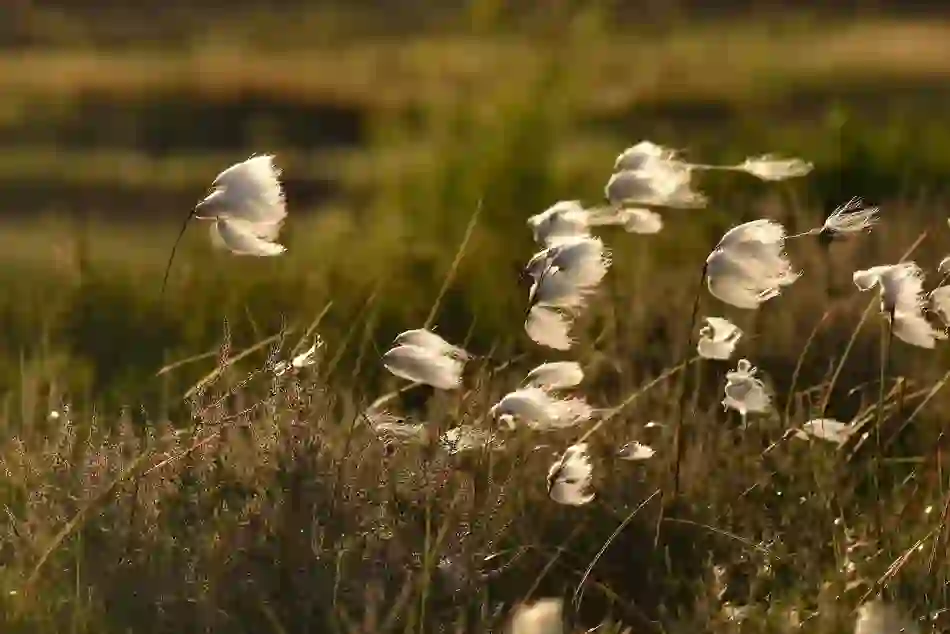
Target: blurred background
x,y
393,121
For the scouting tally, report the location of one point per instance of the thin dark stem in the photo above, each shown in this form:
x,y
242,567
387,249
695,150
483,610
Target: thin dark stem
x,y
886,340
678,443
171,257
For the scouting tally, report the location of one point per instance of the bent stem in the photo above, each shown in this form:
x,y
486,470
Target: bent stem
x,y
887,336
678,442
171,257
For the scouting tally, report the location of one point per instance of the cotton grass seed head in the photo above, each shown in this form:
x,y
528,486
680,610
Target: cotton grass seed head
x,y
635,451
659,184
569,479
769,167
940,304
241,237
749,265
422,365
901,288
541,410
556,375
718,338
430,340
851,217
250,191
541,617
744,392
638,156
944,267
827,429
550,327
564,219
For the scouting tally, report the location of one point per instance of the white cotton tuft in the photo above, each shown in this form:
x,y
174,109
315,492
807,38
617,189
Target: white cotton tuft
x,y
878,617
718,339
744,392
635,451
569,479
557,375
640,155
421,365
944,267
541,617
749,265
564,219
772,168
467,438
243,238
851,217
901,287
302,360
248,191
431,341
642,221
549,327
659,183
583,260
558,289
540,410
940,303
826,429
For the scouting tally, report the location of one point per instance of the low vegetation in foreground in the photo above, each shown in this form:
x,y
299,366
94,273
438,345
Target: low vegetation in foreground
x,y
703,493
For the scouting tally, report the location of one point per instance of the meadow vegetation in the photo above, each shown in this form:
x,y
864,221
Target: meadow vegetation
x,y
155,476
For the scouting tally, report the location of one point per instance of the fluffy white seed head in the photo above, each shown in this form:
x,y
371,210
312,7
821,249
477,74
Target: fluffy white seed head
x,y
556,375
659,183
744,392
828,429
541,410
421,365
249,191
549,327
718,338
635,451
541,617
569,479
851,217
878,617
944,267
940,304
306,358
749,265
245,238
639,155
769,167
558,289
642,221
564,219
431,341
901,287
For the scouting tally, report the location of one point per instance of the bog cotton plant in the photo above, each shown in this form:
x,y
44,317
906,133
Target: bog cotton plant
x,y
635,451
770,167
658,183
550,327
430,360
749,266
556,375
744,391
827,429
563,219
306,358
849,218
427,339
569,479
902,301
247,208
718,339
541,410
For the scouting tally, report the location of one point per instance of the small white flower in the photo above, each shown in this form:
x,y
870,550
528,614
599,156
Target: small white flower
x,y
826,429
569,478
557,375
422,365
564,219
549,327
431,341
769,167
636,451
749,265
718,338
541,617
540,410
744,392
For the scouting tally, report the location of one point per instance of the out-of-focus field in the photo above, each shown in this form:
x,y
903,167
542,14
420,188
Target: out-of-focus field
x,y
388,142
